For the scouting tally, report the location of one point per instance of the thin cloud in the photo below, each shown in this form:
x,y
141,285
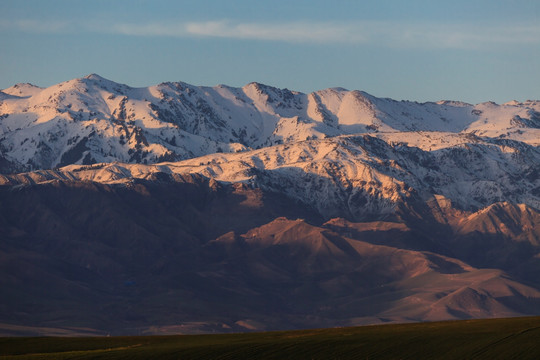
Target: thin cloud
x,y
35,26
151,29
290,32
386,34
460,36
389,34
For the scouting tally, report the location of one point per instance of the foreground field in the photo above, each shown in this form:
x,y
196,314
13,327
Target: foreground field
x,y
514,338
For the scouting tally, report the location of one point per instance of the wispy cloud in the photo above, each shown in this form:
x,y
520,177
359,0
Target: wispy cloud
x,y
35,26
292,32
390,34
289,32
459,36
149,29
382,33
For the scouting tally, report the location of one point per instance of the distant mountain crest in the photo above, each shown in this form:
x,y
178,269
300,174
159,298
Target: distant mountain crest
x,y
41,128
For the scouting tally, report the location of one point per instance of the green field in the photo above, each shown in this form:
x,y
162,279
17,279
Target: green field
x,y
514,338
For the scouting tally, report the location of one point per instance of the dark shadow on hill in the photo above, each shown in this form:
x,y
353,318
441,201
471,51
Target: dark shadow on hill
x,y
188,250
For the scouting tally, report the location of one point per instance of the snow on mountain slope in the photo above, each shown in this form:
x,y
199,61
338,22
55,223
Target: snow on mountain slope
x,y
23,90
513,120
92,119
356,176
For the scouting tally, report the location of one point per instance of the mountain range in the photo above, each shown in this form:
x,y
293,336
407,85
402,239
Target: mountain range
x,y
180,209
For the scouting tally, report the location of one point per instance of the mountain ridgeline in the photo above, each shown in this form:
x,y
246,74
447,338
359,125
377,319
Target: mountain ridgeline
x,y
181,209
93,120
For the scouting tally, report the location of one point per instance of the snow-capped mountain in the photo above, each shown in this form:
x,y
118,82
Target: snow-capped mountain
x,y
356,176
89,120
180,208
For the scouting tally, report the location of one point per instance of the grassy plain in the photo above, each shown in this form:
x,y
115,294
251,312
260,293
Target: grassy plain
x,y
512,338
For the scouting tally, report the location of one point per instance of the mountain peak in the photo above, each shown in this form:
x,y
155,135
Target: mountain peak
x,y
103,83
95,77
264,88
22,90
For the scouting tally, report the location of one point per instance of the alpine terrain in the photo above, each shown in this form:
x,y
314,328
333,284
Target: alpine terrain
x,y
181,209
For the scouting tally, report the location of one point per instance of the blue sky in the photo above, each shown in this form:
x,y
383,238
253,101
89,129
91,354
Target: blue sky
x,y
475,50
